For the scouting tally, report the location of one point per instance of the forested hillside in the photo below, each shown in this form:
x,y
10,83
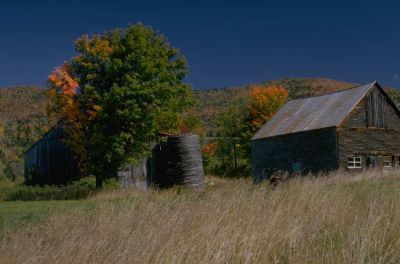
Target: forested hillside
x,y
23,118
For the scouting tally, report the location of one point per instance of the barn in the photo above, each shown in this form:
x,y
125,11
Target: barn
x,y
49,161
354,129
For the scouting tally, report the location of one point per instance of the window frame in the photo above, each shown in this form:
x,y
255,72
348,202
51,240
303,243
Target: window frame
x,y
354,162
297,166
389,160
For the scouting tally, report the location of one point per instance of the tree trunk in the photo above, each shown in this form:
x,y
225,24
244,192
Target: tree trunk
x,y
99,182
234,147
234,155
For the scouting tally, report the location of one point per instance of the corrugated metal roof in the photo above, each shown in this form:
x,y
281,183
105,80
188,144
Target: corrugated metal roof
x,y
313,113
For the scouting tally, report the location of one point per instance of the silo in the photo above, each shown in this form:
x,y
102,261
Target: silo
x,y
178,161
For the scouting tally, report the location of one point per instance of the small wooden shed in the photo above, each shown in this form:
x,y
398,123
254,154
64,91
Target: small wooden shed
x,y
49,161
354,129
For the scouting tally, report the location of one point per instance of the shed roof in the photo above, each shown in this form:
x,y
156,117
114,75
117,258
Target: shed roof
x,y
314,112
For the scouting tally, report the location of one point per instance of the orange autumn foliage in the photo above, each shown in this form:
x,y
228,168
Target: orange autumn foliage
x,y
64,87
61,79
64,105
209,149
95,47
63,91
265,102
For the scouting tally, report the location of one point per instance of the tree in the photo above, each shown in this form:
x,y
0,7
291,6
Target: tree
x,y
265,102
238,124
130,89
229,151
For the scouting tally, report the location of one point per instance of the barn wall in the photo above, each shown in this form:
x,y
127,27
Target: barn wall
x,y
49,161
135,174
356,135
316,150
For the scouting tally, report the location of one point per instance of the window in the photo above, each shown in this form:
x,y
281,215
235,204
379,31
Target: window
x,y
297,166
397,161
387,162
354,162
262,174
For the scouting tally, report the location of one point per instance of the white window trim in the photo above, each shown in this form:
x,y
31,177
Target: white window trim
x,y
387,166
354,162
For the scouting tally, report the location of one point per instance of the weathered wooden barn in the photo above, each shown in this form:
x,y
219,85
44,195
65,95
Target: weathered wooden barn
x,y
354,129
49,161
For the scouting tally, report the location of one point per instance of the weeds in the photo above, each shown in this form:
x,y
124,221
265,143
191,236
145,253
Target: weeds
x,y
339,218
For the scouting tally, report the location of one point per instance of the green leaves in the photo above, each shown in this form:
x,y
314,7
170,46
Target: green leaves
x,y
131,89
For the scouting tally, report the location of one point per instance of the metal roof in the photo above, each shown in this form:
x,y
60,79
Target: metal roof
x,y
314,113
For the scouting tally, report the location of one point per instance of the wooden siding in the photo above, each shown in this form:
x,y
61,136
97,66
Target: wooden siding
x,y
375,108
135,174
372,129
316,150
49,161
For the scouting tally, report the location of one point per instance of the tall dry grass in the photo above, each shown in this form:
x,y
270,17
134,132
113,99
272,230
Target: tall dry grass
x,y
333,219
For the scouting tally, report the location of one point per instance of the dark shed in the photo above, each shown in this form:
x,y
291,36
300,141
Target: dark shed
x,y
352,129
49,161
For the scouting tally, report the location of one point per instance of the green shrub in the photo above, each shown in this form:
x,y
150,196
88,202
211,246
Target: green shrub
x,y
111,183
35,193
90,182
80,189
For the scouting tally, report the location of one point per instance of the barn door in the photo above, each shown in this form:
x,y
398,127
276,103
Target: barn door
x,y
373,161
397,162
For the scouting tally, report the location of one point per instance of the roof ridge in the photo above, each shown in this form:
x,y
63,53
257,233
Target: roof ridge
x,y
315,112
354,87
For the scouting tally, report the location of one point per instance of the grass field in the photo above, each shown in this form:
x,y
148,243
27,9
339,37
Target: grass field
x,y
332,219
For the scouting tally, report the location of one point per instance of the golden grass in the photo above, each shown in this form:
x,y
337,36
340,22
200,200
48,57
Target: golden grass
x,y
333,219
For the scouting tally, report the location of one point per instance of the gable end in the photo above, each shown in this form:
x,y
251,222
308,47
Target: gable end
x,y
374,110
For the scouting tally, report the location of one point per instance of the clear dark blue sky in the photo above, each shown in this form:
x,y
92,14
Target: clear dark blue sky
x,y
227,43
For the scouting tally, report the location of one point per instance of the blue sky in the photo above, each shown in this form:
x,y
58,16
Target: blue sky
x,y
227,43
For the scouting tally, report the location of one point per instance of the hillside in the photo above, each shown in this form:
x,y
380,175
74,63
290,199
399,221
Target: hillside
x,y
23,116
23,120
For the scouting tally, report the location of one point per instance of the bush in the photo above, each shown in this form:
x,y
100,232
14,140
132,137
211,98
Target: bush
x,y
90,182
34,193
80,189
216,166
